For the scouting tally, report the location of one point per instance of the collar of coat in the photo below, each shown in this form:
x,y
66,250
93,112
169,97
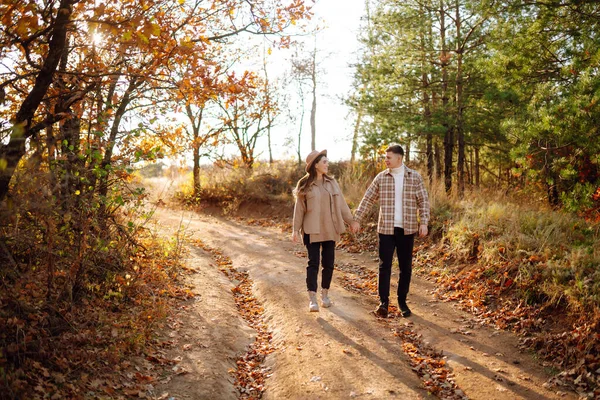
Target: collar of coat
x,y
325,179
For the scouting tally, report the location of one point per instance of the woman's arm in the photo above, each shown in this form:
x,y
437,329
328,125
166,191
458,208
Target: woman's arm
x,y
299,211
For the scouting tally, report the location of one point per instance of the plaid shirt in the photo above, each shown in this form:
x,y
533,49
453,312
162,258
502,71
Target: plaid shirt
x,y
414,200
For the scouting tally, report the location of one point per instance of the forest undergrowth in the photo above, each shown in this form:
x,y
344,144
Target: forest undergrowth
x,y
84,289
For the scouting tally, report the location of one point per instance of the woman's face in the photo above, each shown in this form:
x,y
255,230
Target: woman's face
x,y
322,166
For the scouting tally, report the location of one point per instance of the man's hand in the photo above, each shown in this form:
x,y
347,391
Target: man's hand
x,y
295,237
354,227
423,230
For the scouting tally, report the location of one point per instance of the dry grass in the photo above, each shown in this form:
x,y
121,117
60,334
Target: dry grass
x,y
560,246
227,187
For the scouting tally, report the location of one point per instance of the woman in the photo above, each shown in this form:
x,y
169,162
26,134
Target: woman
x,y
319,216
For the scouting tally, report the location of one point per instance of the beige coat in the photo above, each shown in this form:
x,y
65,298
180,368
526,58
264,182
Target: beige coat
x,y
307,214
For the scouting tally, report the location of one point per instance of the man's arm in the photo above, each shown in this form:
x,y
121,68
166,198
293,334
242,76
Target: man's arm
x,y
370,197
423,206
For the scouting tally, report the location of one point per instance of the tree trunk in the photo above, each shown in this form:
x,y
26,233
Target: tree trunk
x,y
300,132
425,99
448,131
438,159
112,139
355,137
196,124
458,127
51,150
268,95
69,146
313,109
196,171
477,170
12,152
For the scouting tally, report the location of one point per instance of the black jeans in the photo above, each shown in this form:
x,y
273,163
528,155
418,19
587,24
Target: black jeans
x,y
403,245
312,270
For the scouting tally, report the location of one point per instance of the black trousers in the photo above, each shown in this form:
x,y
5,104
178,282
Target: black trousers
x,y
325,258
403,245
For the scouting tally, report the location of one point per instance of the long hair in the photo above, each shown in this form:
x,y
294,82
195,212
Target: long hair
x,y
305,182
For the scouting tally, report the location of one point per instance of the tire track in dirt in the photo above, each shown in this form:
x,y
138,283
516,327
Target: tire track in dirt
x,y
428,363
250,374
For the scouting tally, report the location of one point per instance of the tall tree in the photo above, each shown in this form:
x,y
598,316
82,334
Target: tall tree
x,y
23,125
245,114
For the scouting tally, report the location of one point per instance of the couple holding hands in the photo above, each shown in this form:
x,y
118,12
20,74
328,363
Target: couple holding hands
x,y
321,211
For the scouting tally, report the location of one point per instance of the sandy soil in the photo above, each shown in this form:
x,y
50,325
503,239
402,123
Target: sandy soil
x,y
338,353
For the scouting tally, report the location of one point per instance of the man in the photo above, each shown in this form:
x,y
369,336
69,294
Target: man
x,y
402,195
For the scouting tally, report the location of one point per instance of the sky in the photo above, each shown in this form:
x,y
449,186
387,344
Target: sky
x,y
337,49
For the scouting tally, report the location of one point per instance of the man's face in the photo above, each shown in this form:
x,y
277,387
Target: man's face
x,y
393,160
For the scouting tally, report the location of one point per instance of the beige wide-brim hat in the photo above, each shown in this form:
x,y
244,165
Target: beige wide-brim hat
x,y
312,156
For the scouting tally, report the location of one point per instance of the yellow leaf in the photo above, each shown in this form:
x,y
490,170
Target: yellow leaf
x,y
181,2
77,193
143,37
269,51
3,164
127,36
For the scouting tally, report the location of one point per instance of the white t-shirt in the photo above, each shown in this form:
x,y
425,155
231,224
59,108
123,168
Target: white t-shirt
x,y
398,174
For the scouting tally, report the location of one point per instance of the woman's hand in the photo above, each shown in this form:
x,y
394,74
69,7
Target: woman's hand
x,y
295,237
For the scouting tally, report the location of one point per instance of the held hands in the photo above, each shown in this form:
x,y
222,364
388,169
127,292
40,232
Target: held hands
x,y
354,227
423,230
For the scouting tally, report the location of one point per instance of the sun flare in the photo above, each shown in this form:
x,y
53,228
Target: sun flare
x,y
97,38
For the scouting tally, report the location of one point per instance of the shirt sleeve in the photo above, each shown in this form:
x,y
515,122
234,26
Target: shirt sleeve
x,y
370,197
422,201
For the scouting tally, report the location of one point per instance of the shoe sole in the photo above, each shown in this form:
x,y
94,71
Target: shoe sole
x,y
380,315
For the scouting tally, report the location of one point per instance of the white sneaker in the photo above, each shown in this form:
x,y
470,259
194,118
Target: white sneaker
x,y
313,306
325,301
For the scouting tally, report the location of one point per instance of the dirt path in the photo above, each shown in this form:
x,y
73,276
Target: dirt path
x,y
341,352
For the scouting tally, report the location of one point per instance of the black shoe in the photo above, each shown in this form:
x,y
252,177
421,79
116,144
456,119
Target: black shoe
x,y
405,311
381,310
